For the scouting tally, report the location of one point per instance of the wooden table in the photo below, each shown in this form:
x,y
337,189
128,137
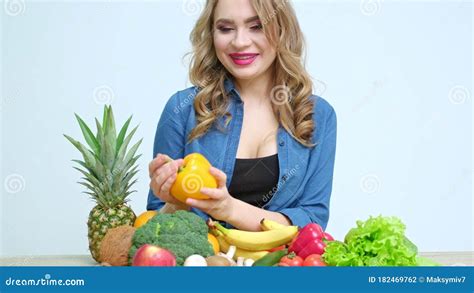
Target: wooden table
x,y
444,258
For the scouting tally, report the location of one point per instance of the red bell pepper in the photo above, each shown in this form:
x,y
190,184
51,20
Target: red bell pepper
x,y
310,240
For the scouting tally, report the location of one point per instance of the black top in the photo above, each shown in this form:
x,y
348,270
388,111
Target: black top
x,y
254,181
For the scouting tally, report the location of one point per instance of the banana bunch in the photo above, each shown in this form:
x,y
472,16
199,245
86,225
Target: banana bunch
x,y
267,225
253,245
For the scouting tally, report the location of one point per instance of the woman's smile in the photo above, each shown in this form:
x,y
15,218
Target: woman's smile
x,y
243,59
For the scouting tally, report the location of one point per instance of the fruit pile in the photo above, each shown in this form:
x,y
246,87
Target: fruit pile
x,y
184,239
269,247
118,238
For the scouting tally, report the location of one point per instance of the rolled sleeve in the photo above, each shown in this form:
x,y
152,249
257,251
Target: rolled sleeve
x,y
297,216
169,140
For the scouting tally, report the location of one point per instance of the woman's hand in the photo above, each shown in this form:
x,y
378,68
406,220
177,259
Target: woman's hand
x,y
220,204
163,172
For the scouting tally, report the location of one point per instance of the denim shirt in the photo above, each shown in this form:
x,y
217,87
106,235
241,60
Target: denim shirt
x,y
304,188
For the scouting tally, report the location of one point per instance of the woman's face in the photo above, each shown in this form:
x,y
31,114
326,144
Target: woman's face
x,y
239,40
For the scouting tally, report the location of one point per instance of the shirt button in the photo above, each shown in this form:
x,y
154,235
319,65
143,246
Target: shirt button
x,y
282,143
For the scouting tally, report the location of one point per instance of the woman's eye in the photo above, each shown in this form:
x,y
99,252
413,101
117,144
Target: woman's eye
x,y
257,27
224,29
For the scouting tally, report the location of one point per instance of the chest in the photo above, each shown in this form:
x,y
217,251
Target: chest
x,y
258,137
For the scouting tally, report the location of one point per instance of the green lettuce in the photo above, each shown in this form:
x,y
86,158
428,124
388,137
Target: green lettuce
x,y
379,241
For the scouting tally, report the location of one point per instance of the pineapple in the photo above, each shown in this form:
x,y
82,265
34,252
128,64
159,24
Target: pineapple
x,y
108,171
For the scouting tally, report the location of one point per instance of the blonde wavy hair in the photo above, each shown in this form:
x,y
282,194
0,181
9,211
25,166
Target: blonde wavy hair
x,y
281,28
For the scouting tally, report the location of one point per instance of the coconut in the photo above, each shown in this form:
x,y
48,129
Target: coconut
x,y
116,244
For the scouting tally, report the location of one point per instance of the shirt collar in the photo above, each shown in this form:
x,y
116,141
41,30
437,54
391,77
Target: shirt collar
x,y
229,87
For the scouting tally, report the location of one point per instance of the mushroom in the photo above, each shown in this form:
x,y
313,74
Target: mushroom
x,y
248,262
240,261
195,260
218,261
229,255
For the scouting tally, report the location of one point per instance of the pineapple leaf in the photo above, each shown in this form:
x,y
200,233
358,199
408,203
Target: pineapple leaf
x,y
100,135
134,169
110,199
91,194
100,196
117,180
100,169
87,180
108,166
130,185
132,152
121,179
108,150
88,156
131,163
85,166
109,180
121,135
80,163
126,182
90,187
105,119
123,149
94,198
124,197
111,126
89,177
124,170
88,135
107,156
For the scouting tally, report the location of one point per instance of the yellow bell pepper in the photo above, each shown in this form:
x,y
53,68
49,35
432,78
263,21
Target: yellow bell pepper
x,y
192,176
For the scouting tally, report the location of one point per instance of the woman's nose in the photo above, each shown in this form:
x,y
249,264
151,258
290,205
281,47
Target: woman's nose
x,y
241,39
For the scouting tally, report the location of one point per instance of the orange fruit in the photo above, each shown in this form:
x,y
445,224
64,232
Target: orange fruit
x,y
214,242
143,218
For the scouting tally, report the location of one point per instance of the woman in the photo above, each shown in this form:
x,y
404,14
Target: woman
x,y
252,114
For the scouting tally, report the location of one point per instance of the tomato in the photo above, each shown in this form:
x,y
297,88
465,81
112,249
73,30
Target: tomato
x,y
292,260
314,260
277,248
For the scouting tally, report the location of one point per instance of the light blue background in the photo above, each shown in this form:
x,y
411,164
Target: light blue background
x,y
398,73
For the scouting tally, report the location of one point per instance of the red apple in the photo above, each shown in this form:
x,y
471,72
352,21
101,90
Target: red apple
x,y
152,255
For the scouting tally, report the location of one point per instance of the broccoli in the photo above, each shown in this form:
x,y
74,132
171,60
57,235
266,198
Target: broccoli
x,y
182,233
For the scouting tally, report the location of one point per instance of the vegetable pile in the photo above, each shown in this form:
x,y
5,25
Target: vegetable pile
x,y
379,241
184,239
183,233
